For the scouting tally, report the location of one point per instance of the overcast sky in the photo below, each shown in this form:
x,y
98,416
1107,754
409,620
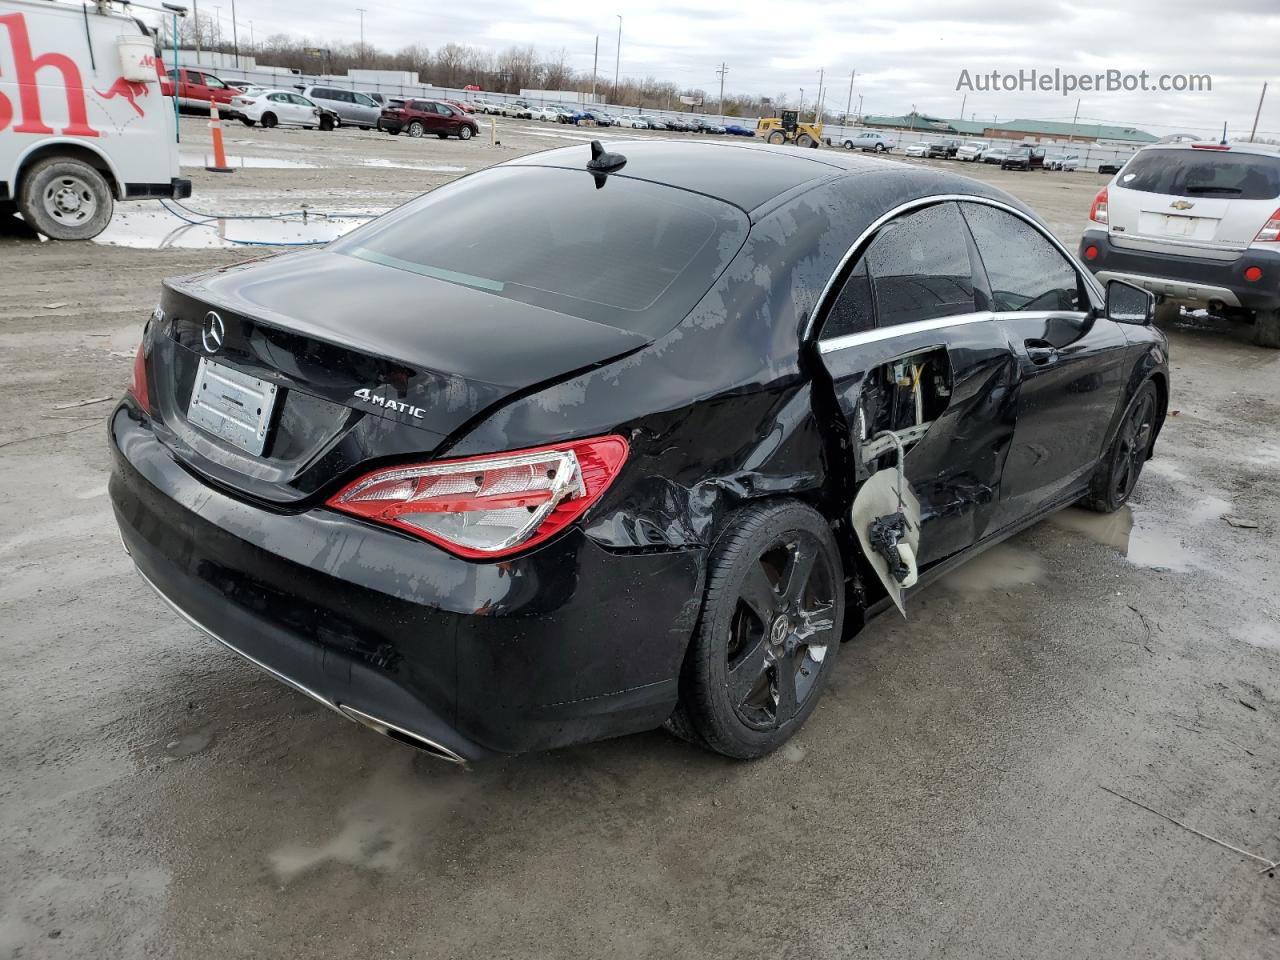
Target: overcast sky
x,y
905,51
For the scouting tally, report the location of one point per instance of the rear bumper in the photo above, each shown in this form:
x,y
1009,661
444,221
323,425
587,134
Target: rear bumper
x,y
1187,278
568,644
178,188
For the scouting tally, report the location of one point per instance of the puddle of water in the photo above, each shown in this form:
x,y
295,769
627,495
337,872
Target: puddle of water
x,y
260,163
1003,567
159,229
189,744
1142,544
411,165
399,808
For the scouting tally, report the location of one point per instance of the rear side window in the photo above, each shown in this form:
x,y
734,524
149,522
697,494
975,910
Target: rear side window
x,y
629,253
919,267
1026,271
1203,173
852,312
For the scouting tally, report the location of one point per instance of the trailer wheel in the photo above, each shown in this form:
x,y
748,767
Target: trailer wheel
x,y
65,199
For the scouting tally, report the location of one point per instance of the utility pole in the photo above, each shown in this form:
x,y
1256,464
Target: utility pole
x,y
963,101
859,108
722,71
362,11
595,62
196,8
235,35
818,104
800,109
1071,137
617,63
1258,113
849,103
253,43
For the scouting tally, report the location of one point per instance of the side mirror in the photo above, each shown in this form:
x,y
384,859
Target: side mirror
x,y
1127,303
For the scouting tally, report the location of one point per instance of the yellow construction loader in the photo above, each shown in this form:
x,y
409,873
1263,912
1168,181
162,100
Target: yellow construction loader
x,y
787,128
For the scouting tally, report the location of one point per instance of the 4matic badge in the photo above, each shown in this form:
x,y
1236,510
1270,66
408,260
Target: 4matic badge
x,y
368,396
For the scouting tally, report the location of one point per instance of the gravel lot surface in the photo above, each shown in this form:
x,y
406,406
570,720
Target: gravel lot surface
x,y
161,798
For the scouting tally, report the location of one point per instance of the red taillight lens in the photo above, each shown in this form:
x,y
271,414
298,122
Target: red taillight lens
x,y
1253,274
1098,212
1091,253
489,506
138,385
1270,231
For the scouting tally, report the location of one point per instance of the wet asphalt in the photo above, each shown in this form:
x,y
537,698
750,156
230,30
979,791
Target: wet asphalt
x,y
960,792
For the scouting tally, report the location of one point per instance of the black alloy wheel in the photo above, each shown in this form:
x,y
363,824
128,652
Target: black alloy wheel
x,y
769,633
1115,478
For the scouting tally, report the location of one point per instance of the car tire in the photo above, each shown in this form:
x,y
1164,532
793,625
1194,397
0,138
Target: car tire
x,y
416,129
464,133
1115,477
269,120
1167,311
442,136
776,137
65,199
329,123
1266,329
246,121
880,148
753,673
391,131
848,144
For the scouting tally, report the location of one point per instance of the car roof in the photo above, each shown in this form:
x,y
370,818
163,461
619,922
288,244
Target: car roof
x,y
750,175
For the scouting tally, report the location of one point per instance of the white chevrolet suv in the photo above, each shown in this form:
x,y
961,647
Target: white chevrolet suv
x,y
1198,225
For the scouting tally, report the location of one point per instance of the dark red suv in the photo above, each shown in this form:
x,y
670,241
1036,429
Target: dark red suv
x,y
422,117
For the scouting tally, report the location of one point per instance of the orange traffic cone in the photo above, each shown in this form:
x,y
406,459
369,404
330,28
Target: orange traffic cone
x,y
215,130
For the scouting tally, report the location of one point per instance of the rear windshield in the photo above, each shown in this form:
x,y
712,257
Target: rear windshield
x,y
1204,173
631,254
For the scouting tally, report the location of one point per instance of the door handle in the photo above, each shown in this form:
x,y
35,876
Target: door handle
x,y
1041,353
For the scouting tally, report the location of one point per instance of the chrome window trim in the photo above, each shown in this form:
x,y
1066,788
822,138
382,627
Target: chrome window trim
x,y
901,330
916,204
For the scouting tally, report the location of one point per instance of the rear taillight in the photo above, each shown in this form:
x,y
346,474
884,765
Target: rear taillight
x,y
1270,231
138,385
1098,212
493,505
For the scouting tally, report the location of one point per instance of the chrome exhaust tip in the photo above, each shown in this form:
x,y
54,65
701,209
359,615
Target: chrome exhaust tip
x,y
401,734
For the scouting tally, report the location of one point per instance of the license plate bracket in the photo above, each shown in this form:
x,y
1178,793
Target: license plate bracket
x,y
232,406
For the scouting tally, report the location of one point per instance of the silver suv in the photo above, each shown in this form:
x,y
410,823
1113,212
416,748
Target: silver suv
x,y
1198,225
353,108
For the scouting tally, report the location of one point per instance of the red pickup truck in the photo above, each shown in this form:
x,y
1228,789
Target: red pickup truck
x,y
196,89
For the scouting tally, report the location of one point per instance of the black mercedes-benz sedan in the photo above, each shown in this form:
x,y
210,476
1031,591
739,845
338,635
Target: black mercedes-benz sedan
x,y
591,442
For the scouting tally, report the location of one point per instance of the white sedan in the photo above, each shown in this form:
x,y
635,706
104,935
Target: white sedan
x,y
635,123
917,150
273,107
545,113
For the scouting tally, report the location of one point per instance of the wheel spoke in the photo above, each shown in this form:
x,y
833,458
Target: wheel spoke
x,y
800,560
815,622
746,670
759,595
784,679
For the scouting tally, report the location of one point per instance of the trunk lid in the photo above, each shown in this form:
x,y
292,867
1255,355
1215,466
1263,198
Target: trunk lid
x,y
366,362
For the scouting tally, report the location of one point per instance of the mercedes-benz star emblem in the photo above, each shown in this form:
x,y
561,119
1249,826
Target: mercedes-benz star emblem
x,y
213,333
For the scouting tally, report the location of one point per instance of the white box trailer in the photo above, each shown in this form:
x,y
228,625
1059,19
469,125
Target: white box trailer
x,y
83,122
